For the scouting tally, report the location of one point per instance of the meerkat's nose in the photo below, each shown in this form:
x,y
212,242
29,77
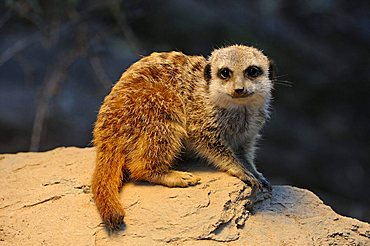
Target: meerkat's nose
x,y
239,90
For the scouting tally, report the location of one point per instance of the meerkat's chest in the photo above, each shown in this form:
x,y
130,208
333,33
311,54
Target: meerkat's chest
x,y
239,126
234,128
233,124
233,121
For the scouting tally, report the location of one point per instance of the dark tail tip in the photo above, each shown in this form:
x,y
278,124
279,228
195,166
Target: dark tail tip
x,y
114,222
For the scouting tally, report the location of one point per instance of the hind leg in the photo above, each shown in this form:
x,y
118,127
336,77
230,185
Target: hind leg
x,y
154,155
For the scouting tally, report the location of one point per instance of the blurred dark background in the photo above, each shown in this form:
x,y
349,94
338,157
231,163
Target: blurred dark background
x,y
58,59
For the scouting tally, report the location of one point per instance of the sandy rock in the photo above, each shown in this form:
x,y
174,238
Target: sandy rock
x,y
45,199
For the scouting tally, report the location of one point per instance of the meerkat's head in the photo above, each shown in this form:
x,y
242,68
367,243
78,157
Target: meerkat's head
x,y
238,75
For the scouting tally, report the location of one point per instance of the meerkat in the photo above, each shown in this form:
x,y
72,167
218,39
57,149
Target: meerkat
x,y
166,101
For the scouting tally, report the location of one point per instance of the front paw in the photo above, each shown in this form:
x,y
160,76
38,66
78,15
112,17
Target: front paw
x,y
247,178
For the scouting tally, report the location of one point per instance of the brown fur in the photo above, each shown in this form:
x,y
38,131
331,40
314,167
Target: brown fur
x,y
162,103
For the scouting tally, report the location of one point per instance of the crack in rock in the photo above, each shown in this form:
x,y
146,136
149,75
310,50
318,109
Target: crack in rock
x,y
25,166
53,198
69,183
232,218
85,188
199,207
366,234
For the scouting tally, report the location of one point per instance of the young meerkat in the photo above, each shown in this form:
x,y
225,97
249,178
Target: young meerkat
x,y
166,101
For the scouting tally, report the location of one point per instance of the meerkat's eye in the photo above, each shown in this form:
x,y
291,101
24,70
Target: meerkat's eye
x,y
225,73
253,71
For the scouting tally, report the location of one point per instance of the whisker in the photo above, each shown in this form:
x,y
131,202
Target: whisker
x,y
288,85
283,82
280,76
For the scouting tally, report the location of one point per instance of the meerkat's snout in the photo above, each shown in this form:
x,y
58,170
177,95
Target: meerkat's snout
x,y
239,91
241,88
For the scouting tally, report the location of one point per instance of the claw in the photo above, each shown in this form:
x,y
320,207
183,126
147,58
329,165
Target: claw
x,y
253,182
265,183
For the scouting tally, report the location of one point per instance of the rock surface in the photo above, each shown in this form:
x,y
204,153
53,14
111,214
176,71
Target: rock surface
x,y
45,199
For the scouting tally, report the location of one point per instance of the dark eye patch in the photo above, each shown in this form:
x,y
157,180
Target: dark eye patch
x,y
224,73
253,71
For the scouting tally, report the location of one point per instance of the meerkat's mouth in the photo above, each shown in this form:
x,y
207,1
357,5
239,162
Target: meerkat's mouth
x,y
227,100
244,95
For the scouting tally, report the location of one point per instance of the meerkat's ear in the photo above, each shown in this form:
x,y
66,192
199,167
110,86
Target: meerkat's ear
x,y
207,72
272,70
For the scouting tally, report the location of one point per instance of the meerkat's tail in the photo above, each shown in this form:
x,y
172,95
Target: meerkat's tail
x,y
106,183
